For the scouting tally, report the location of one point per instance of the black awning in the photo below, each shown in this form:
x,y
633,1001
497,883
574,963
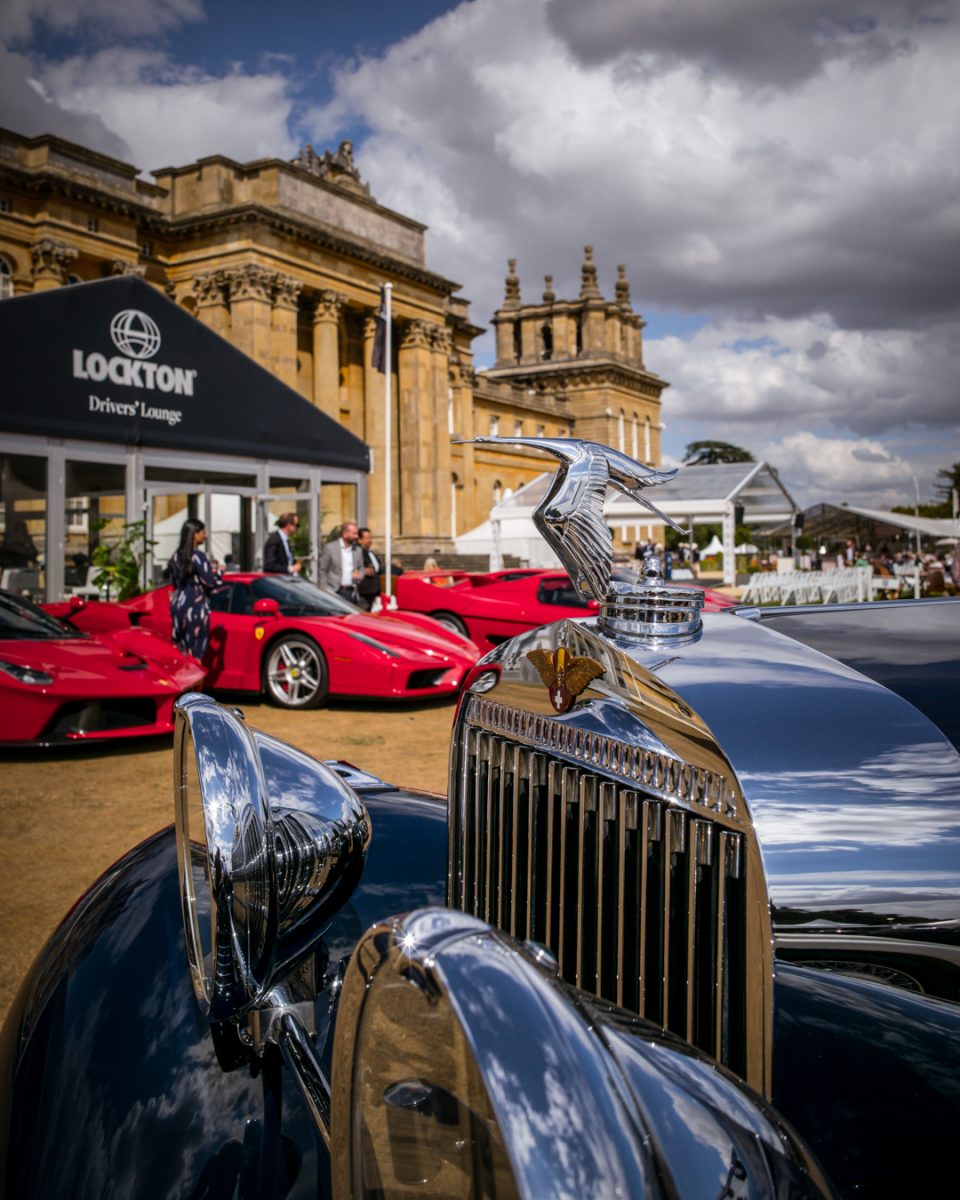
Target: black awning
x,y
116,361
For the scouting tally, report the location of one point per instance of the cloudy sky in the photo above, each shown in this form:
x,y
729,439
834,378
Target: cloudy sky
x,y
781,177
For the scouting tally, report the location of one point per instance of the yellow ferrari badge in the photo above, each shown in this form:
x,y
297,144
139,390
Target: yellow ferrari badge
x,y
565,674
258,633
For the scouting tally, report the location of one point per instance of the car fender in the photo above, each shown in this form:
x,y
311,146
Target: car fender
x,y
119,1092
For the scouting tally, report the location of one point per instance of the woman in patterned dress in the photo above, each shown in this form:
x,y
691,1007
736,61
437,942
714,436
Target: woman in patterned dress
x,y
194,578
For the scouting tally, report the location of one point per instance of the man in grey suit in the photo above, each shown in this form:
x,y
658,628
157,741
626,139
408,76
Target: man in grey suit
x,y
341,563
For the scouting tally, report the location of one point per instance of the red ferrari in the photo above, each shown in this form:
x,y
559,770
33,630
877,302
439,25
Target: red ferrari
x,y
284,636
59,685
490,608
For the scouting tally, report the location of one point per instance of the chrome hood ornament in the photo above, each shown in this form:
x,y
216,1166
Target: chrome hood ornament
x,y
570,517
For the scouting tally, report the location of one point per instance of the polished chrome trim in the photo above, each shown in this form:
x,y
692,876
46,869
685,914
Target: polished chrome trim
x,y
301,1057
660,774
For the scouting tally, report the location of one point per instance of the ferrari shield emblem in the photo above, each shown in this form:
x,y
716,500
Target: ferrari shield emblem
x,y
565,674
258,633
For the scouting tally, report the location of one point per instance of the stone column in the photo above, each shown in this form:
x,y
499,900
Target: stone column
x,y
416,433
251,298
284,340
441,346
51,262
374,433
326,353
463,379
210,289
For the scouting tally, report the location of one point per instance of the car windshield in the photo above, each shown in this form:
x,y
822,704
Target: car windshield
x,y
21,619
300,597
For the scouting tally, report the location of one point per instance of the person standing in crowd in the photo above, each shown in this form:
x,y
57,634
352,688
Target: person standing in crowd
x,y
194,577
368,586
340,568
277,552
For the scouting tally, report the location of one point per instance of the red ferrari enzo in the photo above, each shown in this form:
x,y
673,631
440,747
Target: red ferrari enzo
x,y
284,636
59,685
490,608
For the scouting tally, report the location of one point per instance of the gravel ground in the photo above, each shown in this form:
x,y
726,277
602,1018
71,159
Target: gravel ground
x,y
67,815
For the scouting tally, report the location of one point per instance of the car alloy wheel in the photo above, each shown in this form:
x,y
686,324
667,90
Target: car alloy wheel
x,y
295,674
449,621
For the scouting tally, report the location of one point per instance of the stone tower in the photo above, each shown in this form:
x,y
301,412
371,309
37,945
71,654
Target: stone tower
x,y
588,353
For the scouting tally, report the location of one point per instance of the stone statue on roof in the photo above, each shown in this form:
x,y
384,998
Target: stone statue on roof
x,y
338,168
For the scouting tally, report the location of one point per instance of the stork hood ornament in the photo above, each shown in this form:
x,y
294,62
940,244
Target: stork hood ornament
x,y
570,518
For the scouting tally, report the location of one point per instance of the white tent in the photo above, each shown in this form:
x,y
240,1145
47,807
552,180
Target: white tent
x,y
942,527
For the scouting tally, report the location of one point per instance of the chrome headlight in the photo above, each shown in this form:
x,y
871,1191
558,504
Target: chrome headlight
x,y
270,843
25,674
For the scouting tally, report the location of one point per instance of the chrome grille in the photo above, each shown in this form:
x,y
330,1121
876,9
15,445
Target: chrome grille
x,y
641,896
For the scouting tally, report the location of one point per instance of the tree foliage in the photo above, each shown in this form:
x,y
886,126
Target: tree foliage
x,y
708,453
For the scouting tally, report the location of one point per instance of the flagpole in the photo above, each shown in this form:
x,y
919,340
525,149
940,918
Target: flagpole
x,y
388,438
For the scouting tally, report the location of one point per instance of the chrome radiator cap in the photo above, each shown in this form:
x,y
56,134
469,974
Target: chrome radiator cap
x,y
652,610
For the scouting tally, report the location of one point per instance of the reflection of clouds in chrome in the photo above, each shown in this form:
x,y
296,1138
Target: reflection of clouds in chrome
x,y
907,796
529,1041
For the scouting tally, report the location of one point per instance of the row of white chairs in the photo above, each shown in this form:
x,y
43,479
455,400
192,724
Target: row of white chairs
x,y
841,586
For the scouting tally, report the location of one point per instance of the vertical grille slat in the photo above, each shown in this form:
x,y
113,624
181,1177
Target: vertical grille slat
x,y
641,899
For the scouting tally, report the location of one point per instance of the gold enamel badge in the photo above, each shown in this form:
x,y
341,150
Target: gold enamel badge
x,y
565,674
258,633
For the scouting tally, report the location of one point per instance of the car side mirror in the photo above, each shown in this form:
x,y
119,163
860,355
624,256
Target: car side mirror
x,y
77,603
266,606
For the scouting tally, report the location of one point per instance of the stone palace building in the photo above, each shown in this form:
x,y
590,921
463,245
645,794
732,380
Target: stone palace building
x,y
285,260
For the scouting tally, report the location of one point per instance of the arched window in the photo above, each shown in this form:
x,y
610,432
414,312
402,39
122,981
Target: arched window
x,y
646,440
546,343
518,429
454,482
494,425
517,342
579,334
497,491
621,438
634,437
6,279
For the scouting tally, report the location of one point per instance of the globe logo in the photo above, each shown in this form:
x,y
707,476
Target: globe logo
x,y
135,334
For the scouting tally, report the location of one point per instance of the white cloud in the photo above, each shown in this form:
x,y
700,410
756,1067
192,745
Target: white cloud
x,y
806,205
169,115
859,470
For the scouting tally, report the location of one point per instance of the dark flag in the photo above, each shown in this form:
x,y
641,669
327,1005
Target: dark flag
x,y
378,355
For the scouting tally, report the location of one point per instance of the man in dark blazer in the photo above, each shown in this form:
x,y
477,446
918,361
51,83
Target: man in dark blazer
x,y
277,554
368,586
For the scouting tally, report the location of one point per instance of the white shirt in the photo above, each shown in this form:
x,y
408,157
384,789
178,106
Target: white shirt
x,y
374,562
346,564
286,546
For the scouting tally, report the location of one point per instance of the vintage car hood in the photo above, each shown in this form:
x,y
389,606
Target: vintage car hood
x,y
854,793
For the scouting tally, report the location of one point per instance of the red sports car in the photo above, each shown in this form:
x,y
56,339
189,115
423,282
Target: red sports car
x,y
59,685
490,608
284,636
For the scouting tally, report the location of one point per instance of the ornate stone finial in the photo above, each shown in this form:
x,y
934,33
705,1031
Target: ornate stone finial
x,y
623,288
589,288
549,295
511,291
